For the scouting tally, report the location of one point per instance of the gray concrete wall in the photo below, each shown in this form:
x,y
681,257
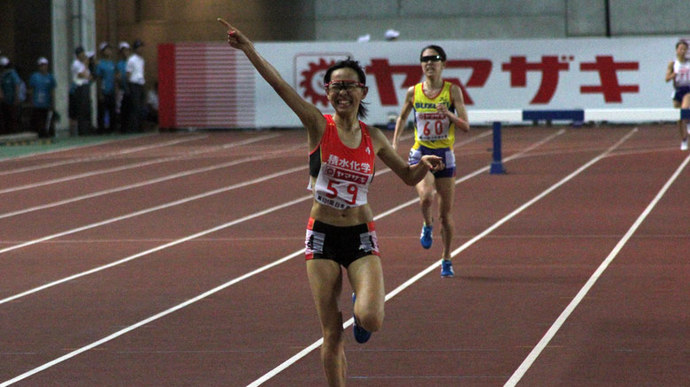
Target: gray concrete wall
x,y
650,17
498,19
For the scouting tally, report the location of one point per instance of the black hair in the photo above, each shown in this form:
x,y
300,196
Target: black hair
x,y
436,48
350,63
682,42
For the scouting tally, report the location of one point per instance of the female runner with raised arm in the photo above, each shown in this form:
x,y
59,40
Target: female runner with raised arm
x,y
340,231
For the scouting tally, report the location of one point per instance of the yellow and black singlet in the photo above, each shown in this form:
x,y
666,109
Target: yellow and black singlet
x,y
431,128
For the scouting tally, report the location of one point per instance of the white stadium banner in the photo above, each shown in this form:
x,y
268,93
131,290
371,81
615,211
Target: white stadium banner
x,y
583,73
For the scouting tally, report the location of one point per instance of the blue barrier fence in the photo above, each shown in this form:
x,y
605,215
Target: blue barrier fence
x,y
576,116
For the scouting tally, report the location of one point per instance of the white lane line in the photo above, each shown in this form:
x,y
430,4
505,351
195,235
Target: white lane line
x,y
484,169
107,170
166,205
100,157
556,326
170,310
156,249
76,146
269,375
162,206
161,247
170,177
265,156
208,293
127,259
156,208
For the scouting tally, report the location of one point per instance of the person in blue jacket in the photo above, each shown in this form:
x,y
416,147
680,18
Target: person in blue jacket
x,y
9,97
42,90
105,79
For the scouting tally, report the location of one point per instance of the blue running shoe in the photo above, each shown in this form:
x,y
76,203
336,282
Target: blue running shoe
x,y
447,268
426,239
361,335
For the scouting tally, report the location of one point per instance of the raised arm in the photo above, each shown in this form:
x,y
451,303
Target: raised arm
x,y
308,114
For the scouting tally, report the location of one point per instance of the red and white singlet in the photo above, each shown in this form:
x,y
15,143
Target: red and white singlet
x,y
343,174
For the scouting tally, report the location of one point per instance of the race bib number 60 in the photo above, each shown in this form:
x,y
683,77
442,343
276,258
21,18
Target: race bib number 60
x,y
432,126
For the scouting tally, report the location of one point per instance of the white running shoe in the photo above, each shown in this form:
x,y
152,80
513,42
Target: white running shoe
x,y
684,145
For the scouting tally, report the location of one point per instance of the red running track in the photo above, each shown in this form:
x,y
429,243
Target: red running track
x,y
176,259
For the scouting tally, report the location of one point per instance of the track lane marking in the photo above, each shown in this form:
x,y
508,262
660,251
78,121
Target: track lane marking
x,y
151,209
170,204
158,207
147,182
100,172
99,157
558,323
435,265
223,286
77,146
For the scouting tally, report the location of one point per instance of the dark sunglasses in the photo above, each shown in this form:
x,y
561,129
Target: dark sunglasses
x,y
431,58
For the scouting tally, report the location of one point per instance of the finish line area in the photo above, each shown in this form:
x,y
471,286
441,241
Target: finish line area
x,y
575,117
183,252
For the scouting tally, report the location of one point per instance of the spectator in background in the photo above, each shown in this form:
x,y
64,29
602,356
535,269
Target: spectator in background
x,y
135,92
80,103
105,79
678,71
10,84
121,84
42,90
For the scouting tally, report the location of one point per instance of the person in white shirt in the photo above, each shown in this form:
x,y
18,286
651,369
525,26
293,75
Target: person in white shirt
x,y
134,90
678,71
80,96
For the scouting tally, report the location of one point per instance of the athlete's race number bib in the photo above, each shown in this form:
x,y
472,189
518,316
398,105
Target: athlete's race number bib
x,y
432,126
339,188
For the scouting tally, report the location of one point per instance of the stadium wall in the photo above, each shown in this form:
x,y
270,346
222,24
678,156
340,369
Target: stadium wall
x,y
498,19
162,21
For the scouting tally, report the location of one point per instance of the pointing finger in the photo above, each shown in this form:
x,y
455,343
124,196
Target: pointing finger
x,y
222,21
231,30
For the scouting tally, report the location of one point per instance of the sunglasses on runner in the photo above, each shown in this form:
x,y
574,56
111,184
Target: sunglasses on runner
x,y
337,86
431,58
